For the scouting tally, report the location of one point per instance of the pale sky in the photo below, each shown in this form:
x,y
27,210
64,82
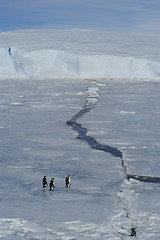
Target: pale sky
x,y
110,15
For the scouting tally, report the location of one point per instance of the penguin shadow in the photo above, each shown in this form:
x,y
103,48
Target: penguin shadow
x,y
51,191
47,192
44,192
44,189
67,188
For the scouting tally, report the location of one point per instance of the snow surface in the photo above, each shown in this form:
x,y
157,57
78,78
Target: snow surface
x,y
36,141
78,54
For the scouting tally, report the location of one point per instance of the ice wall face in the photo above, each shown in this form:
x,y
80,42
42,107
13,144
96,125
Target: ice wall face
x,y
46,64
59,64
7,69
117,67
76,54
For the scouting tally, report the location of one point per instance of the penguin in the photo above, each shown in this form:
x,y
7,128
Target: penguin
x,y
51,185
44,181
68,180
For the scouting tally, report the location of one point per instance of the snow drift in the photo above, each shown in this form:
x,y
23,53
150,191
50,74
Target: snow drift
x,y
60,64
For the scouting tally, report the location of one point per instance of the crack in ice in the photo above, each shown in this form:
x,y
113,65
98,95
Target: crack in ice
x,y
91,100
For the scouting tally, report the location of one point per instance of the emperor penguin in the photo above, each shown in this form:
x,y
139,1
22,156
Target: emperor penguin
x,y
51,185
68,181
44,181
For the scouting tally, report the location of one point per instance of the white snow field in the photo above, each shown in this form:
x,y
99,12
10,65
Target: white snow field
x,y
83,103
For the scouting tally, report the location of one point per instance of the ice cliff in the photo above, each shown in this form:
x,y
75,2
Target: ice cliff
x,y
76,54
60,64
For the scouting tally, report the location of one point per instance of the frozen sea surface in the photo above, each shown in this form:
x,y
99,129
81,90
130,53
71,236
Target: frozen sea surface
x,y
36,141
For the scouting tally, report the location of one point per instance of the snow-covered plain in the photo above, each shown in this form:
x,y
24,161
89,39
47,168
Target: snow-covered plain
x,y
53,77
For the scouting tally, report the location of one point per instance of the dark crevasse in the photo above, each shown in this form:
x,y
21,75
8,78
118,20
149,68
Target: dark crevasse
x,y
82,132
91,101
